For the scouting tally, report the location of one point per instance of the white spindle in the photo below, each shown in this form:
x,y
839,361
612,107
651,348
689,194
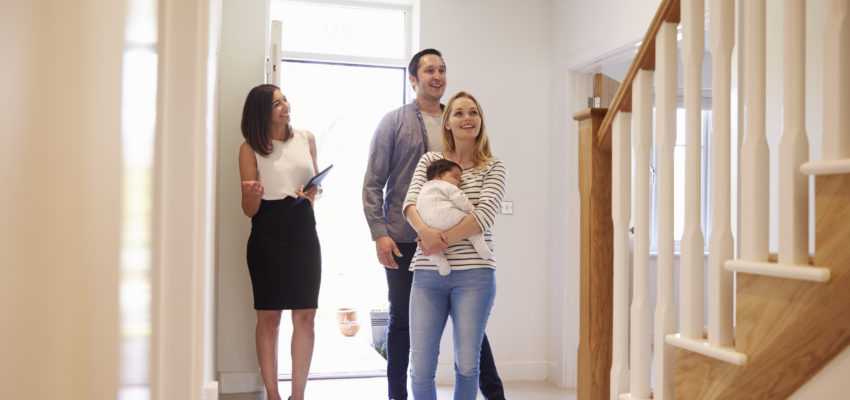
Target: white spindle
x,y
640,340
720,291
836,81
691,276
794,145
621,176
755,156
666,95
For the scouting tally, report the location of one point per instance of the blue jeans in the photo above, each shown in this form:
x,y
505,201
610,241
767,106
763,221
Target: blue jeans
x,y
467,296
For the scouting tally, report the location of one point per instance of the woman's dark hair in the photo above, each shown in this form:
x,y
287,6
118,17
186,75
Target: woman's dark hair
x,y
413,67
256,118
439,166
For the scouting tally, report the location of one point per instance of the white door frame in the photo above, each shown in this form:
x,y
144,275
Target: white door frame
x,y
183,205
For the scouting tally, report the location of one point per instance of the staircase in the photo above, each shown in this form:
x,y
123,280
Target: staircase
x,y
788,328
787,315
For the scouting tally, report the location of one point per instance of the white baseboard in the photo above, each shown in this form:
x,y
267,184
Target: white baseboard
x,y
508,371
556,374
211,390
240,382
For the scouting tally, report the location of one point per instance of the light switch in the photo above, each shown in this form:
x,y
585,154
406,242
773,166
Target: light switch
x,y
507,207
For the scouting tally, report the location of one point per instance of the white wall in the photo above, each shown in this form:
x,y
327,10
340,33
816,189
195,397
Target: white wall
x,y
243,38
499,50
593,29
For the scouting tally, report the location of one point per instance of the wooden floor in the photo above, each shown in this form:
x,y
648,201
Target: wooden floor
x,y
376,389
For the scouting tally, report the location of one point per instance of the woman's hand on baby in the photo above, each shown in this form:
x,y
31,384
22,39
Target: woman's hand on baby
x,y
432,241
253,187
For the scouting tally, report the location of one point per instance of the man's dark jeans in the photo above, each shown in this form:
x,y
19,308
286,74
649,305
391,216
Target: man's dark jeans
x,y
399,282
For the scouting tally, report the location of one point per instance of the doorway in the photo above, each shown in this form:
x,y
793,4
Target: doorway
x,y
342,104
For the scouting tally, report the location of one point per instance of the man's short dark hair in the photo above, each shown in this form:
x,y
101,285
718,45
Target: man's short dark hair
x,y
439,166
413,67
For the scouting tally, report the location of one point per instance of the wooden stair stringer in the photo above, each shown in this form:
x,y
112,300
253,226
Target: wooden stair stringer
x,y
788,329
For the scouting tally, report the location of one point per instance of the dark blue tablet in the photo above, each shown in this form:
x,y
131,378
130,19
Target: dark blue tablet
x,y
318,178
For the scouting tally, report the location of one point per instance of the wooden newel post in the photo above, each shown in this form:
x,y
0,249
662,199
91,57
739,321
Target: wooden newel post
x,y
597,257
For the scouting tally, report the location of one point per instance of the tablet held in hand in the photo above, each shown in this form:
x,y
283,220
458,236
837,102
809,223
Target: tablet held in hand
x,y
318,178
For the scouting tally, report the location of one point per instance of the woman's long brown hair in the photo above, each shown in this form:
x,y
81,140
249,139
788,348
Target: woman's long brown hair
x,y
256,118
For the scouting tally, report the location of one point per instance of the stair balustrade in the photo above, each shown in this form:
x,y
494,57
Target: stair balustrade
x,y
634,349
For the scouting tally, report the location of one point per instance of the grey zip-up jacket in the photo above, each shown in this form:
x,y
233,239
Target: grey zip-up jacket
x,y
399,141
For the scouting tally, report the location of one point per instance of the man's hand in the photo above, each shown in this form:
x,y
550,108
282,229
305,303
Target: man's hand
x,y
385,247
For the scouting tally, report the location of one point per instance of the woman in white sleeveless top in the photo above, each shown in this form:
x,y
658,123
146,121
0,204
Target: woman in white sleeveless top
x,y
284,259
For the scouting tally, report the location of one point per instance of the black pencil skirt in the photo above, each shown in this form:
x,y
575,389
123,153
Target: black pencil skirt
x,y
284,258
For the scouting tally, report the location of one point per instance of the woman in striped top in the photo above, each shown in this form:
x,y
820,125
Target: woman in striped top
x,y
467,293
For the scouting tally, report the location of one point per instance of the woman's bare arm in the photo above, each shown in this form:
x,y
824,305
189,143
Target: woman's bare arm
x,y
252,189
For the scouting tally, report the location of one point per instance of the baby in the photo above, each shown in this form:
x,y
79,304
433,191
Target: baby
x,y
442,205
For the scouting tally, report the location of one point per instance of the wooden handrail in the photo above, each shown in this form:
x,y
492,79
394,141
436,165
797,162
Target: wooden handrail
x,y
668,11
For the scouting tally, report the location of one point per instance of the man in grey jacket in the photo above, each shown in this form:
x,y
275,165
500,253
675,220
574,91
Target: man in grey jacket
x,y
401,138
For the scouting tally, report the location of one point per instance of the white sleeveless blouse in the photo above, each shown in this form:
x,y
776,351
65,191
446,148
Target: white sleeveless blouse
x,y
289,166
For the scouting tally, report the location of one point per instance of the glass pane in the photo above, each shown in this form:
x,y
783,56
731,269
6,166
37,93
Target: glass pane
x,y
341,30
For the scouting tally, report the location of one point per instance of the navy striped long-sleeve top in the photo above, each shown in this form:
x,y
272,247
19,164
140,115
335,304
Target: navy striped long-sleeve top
x,y
485,188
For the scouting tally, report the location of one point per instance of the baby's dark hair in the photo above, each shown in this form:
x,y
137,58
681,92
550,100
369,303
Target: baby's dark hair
x,y
439,166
